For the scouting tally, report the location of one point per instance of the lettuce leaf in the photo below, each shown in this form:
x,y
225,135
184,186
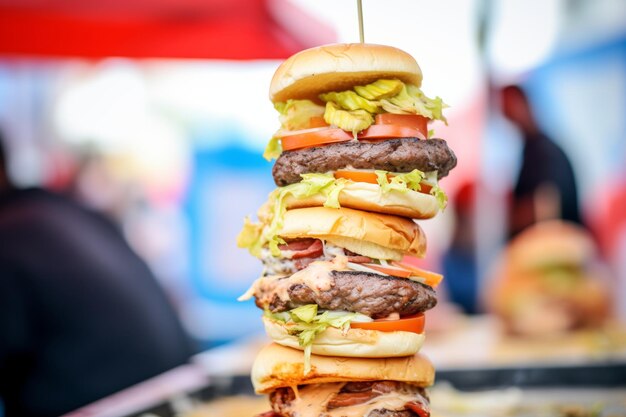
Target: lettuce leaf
x,y
255,236
305,323
434,105
250,237
436,191
273,149
400,182
440,195
304,313
296,114
411,181
411,100
311,184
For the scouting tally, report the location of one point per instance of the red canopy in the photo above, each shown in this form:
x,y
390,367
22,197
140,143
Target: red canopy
x,y
220,29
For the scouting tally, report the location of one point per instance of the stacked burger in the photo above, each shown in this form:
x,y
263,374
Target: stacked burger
x,y
356,164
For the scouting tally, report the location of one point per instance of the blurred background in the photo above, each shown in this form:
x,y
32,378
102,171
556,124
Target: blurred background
x,y
156,113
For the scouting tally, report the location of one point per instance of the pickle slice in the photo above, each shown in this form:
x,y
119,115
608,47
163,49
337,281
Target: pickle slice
x,y
379,89
349,100
350,120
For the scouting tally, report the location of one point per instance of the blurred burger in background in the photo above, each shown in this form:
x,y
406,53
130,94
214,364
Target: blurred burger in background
x,y
548,282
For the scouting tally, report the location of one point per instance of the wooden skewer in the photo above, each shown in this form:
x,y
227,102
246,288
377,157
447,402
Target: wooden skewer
x,y
360,11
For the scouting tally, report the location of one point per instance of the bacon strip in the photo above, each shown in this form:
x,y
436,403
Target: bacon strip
x,y
303,263
417,408
359,259
304,248
346,399
354,393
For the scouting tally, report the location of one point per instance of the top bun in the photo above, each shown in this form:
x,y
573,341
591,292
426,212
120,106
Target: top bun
x,y
277,366
339,67
379,236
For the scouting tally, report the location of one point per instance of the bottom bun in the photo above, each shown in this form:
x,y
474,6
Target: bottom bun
x,y
353,343
276,366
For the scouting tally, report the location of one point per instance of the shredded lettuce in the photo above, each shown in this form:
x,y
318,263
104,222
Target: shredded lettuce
x,y
411,100
434,105
255,236
296,114
304,313
306,323
250,237
411,181
440,195
436,191
311,184
400,182
273,149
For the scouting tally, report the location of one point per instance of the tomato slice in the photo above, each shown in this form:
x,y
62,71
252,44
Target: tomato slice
x,y
414,324
359,176
425,188
432,279
409,120
376,132
317,121
404,270
417,408
396,272
315,138
370,177
384,130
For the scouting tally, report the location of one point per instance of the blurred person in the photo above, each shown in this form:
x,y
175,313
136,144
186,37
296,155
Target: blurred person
x,y
81,315
546,186
459,261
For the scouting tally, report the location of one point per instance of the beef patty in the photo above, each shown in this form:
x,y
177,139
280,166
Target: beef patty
x,y
353,393
374,295
395,155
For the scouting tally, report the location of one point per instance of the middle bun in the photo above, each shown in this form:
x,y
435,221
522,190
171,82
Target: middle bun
x,y
380,236
276,366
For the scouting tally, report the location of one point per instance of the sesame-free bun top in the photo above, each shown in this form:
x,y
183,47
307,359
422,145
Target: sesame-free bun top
x,y
379,236
338,67
278,366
